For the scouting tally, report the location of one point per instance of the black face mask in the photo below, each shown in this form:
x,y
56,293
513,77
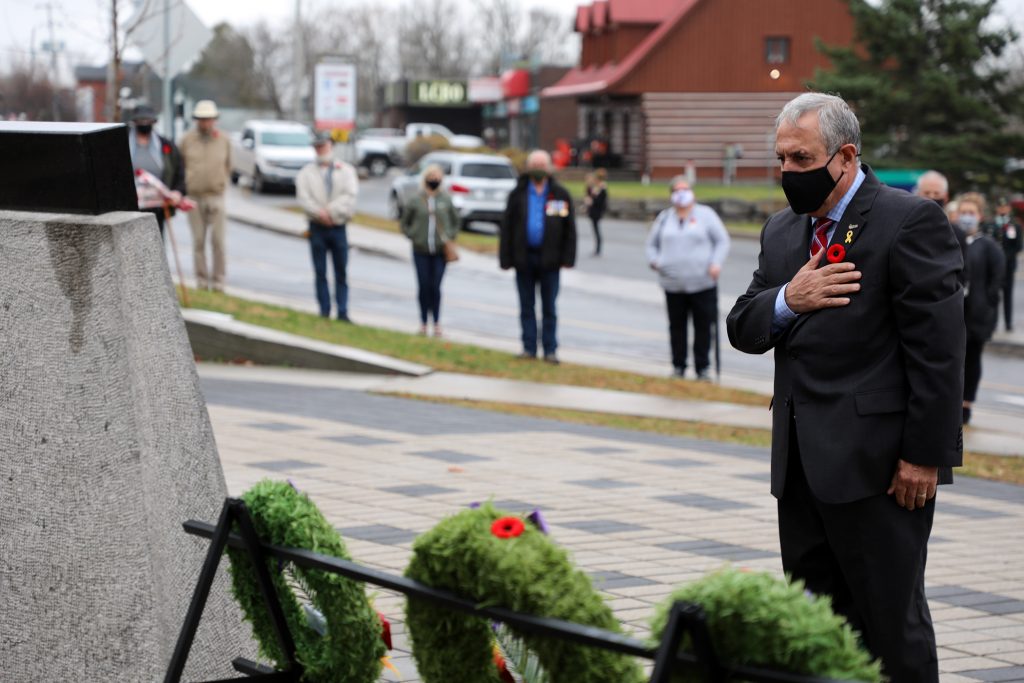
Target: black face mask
x,y
808,190
940,201
144,128
433,184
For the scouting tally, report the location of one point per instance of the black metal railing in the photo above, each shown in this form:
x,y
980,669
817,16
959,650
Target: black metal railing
x,y
684,618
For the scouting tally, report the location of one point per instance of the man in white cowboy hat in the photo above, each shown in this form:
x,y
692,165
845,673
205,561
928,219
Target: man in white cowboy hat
x,y
207,154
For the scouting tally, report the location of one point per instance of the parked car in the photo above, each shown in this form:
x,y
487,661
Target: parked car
x,y
378,149
271,153
478,183
415,130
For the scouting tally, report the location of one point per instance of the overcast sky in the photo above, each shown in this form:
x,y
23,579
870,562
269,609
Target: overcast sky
x,y
82,25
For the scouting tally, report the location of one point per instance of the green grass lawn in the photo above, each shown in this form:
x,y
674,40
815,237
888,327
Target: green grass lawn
x,y
622,189
449,356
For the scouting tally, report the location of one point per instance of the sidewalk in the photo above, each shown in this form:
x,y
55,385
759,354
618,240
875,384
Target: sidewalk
x,y
991,431
641,513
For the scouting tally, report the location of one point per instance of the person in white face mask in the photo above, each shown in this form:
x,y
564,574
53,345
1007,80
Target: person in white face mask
x,y
687,246
981,306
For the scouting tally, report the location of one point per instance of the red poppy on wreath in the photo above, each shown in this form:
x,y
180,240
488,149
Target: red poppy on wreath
x,y
385,632
508,527
167,148
836,253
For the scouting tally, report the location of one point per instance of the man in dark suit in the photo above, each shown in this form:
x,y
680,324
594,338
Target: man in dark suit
x,y
935,186
538,238
856,290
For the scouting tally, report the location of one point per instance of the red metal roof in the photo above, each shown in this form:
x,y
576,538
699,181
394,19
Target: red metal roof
x,y
641,11
590,80
599,14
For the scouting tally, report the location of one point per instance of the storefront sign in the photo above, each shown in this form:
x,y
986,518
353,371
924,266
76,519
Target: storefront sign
x,y
335,96
438,93
515,83
485,89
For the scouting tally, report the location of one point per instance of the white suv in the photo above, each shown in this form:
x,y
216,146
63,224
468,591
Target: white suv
x,y
271,153
479,184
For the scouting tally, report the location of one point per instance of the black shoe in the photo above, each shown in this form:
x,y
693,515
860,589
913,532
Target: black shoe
x,y
967,415
345,319
552,359
526,355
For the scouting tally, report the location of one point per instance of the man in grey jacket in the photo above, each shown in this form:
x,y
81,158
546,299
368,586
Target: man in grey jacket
x,y
326,190
686,247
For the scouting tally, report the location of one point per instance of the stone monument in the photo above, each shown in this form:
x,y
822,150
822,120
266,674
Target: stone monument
x,y
105,442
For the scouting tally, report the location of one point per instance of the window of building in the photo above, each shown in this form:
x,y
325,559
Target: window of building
x,y
776,50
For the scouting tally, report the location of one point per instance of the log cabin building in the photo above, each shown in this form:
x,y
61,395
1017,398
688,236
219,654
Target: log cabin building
x,y
672,83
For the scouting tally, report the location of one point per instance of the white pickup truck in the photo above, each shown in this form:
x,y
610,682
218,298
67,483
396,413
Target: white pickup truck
x,y
271,153
378,149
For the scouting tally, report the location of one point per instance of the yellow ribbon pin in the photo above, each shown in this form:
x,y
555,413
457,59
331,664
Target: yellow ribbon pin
x,y
849,236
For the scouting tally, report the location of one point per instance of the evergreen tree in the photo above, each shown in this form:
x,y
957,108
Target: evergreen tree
x,y
929,81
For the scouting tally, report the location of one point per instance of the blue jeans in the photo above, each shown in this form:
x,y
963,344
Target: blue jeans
x,y
333,239
429,271
527,280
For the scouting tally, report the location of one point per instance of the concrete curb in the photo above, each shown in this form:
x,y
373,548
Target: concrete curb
x,y
219,336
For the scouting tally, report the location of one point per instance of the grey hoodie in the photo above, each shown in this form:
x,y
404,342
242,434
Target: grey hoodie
x,y
683,253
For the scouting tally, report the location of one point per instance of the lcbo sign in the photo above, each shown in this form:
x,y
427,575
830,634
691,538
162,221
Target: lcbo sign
x,y
438,93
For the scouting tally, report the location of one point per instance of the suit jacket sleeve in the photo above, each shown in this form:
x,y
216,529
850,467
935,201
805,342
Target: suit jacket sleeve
x,y
507,231
750,321
928,308
997,274
569,236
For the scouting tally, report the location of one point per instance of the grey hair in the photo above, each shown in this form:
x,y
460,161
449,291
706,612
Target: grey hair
x,y
837,122
676,180
932,175
539,154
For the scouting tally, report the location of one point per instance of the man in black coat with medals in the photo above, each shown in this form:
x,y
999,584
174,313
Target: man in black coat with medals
x,y
538,239
856,291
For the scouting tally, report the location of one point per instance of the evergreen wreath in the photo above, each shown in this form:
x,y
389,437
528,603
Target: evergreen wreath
x,y
342,646
757,619
493,558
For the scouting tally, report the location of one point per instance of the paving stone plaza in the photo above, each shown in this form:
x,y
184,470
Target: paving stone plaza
x,y
640,513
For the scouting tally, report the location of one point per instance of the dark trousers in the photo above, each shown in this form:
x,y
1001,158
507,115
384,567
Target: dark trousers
x,y
429,272
159,215
1008,278
527,280
596,220
869,556
972,368
703,308
334,240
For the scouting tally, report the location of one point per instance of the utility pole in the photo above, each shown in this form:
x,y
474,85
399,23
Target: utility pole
x,y
297,64
53,48
113,67
168,76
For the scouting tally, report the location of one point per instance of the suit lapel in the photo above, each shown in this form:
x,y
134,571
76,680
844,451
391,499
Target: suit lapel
x,y
855,218
798,246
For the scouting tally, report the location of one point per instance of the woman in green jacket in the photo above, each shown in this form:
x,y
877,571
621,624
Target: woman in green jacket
x,y
429,220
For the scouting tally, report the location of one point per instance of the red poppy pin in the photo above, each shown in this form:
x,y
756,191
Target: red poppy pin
x,y
836,253
508,527
167,148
